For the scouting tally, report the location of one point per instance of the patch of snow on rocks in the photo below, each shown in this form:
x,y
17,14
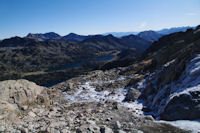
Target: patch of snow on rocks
x,y
189,80
193,126
87,93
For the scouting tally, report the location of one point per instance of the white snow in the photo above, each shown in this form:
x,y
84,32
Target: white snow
x,y
86,93
168,63
193,126
189,80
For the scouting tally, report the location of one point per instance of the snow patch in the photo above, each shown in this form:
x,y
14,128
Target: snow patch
x,y
188,83
87,93
189,80
193,126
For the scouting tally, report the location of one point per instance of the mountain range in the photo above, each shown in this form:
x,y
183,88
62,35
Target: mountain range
x,y
38,56
162,31
148,35
55,36
137,83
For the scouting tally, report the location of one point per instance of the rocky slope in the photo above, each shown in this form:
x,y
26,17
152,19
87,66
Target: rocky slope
x,y
83,107
171,90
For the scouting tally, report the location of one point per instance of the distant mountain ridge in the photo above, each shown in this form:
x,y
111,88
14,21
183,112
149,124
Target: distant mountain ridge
x,y
74,37
55,36
174,29
120,34
162,31
45,36
147,35
150,35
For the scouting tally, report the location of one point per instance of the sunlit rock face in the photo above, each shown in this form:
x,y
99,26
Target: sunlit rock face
x,y
18,95
179,99
184,99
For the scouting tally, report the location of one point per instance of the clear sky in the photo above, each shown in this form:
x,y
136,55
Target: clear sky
x,y
20,17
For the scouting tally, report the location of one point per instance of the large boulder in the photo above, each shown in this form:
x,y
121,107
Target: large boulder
x,y
184,106
132,95
19,95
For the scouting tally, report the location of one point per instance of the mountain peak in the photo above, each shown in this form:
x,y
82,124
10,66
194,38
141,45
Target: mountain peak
x,y
109,35
45,36
150,35
72,34
74,37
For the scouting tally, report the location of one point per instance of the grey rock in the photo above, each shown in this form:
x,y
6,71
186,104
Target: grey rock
x,y
20,92
65,131
120,131
105,129
53,130
15,131
183,106
94,128
31,114
132,95
2,128
88,128
117,125
149,117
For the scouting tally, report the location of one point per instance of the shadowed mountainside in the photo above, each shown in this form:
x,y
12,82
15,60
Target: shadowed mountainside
x,y
32,59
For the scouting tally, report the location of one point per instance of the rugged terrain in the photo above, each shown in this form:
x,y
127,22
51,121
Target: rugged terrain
x,y
36,60
31,108
162,84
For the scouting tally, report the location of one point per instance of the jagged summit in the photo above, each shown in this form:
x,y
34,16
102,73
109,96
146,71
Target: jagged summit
x,y
45,36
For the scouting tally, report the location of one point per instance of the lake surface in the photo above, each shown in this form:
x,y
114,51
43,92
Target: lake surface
x,y
79,64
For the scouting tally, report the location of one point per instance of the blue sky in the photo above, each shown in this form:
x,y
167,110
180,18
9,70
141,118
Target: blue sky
x,y
20,17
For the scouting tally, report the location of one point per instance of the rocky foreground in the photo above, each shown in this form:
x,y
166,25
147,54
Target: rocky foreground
x,y
113,101
93,103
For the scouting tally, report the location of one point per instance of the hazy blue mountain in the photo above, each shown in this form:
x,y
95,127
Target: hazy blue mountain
x,y
163,31
150,35
120,34
55,36
174,29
